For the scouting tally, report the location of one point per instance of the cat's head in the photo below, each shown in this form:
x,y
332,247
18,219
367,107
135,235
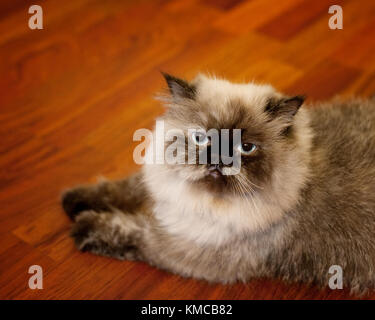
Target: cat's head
x,y
269,133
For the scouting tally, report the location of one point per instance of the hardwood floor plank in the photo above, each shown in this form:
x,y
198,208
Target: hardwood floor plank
x,y
317,42
325,80
297,18
250,15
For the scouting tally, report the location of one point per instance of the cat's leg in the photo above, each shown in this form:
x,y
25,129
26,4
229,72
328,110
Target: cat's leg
x,y
140,236
113,234
127,195
110,218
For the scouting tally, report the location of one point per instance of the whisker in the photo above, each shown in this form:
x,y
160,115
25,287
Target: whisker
x,y
243,189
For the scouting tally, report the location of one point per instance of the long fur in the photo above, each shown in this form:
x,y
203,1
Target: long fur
x,y
303,202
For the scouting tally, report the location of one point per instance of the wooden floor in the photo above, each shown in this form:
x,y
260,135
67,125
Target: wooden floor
x,y
72,94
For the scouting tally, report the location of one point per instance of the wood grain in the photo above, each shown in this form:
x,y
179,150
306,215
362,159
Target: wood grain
x,y
72,94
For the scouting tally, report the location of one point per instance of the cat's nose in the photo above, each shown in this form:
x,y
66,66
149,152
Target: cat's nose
x,y
215,171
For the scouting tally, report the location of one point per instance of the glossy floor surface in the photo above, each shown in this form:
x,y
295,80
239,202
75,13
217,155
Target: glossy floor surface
x,y
72,94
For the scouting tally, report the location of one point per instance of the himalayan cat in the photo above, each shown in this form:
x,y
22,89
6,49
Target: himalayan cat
x,y
302,201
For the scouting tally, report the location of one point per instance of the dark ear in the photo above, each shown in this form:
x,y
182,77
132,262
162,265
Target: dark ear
x,y
284,107
179,88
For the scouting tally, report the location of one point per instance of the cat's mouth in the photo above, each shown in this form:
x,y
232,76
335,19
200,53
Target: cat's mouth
x,y
214,180
215,171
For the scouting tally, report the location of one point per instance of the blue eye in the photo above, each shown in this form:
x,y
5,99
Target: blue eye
x,y
246,148
200,138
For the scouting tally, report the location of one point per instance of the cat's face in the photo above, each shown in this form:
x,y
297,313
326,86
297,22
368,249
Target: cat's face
x,y
264,117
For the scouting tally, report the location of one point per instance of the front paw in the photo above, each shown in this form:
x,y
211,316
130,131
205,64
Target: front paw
x,y
81,199
74,202
88,233
96,233
85,228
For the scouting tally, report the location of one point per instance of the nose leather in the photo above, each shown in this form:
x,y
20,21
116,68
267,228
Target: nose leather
x,y
215,171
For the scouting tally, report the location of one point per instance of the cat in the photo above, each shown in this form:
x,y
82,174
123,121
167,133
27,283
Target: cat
x,y
303,200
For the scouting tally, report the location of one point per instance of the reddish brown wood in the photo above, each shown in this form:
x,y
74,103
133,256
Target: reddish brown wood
x,y
72,94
